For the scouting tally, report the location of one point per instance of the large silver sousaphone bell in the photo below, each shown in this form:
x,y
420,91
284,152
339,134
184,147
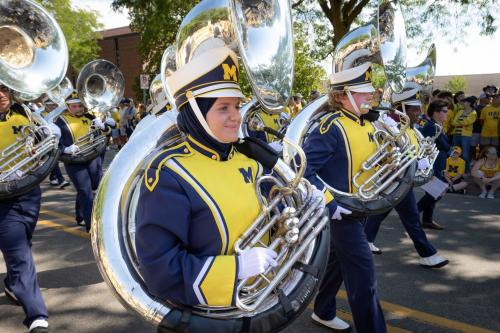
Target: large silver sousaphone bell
x,y
382,43
100,86
33,60
298,225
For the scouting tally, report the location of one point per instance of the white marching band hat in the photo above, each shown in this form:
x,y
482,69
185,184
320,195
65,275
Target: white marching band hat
x,y
356,79
409,95
211,74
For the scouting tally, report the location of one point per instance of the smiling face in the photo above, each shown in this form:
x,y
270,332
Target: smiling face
x,y
224,119
4,98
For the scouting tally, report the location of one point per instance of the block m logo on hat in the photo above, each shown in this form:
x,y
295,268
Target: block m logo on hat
x,y
230,72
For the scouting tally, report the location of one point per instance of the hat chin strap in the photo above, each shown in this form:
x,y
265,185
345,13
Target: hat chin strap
x,y
353,102
199,116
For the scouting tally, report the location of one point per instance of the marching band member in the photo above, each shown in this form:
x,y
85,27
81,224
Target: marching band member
x,y
335,151
408,103
18,218
75,123
56,177
199,195
437,112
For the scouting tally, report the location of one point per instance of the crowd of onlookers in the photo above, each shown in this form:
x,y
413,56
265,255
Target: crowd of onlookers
x,y
472,127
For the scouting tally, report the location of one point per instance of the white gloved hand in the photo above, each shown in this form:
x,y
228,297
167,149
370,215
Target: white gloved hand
x,y
13,176
391,123
276,146
110,122
255,261
423,163
71,150
338,213
97,123
318,194
55,130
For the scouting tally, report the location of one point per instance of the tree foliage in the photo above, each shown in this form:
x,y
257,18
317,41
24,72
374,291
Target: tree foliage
x,y
425,20
80,28
456,83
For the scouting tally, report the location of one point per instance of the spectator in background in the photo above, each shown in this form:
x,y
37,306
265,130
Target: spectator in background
x,y
127,113
490,90
457,98
462,128
448,96
486,173
298,101
115,132
490,116
314,95
476,128
454,171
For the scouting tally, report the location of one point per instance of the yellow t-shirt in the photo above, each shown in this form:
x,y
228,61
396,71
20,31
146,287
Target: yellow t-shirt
x,y
490,114
447,125
454,167
489,172
462,124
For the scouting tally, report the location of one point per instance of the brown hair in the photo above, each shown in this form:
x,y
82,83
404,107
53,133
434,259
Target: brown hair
x,y
333,99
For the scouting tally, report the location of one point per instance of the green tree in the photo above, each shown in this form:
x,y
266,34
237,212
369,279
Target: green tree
x,y
424,19
309,75
456,83
80,28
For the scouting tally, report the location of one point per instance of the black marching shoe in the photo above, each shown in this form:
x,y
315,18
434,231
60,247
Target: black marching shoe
x,y
10,295
432,225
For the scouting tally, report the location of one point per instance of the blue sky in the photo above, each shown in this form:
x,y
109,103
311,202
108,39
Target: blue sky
x,y
476,55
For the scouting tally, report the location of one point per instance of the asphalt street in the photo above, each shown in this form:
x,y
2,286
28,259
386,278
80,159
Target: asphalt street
x,y
461,297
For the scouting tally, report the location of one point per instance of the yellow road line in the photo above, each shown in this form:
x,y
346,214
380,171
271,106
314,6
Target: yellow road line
x,y
398,310
57,226
425,317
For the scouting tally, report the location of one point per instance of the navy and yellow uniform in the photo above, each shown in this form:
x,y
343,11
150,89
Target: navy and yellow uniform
x,y
427,203
335,151
185,249
409,216
269,120
86,176
18,218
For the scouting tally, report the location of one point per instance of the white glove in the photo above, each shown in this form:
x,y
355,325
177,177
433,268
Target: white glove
x,y
71,150
338,213
54,129
97,123
276,146
255,261
318,194
423,163
391,123
110,122
13,176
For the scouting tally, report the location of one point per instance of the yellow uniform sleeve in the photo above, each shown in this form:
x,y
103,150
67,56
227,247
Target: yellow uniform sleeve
x,y
218,285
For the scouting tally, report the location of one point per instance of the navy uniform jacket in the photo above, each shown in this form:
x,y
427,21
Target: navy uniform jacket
x,y
430,129
335,151
192,208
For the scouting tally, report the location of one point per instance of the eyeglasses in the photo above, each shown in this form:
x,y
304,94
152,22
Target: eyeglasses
x,y
444,110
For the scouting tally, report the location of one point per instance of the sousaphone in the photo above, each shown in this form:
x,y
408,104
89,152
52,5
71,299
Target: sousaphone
x,y
392,167
299,226
33,60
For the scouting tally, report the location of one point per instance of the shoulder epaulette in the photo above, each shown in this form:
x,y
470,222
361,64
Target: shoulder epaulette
x,y
327,122
152,174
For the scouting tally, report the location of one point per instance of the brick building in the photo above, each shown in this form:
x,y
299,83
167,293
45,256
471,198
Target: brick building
x,y
121,47
475,82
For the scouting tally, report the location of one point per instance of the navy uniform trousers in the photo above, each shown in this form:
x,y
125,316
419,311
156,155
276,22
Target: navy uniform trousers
x,y
18,217
408,213
85,177
351,261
